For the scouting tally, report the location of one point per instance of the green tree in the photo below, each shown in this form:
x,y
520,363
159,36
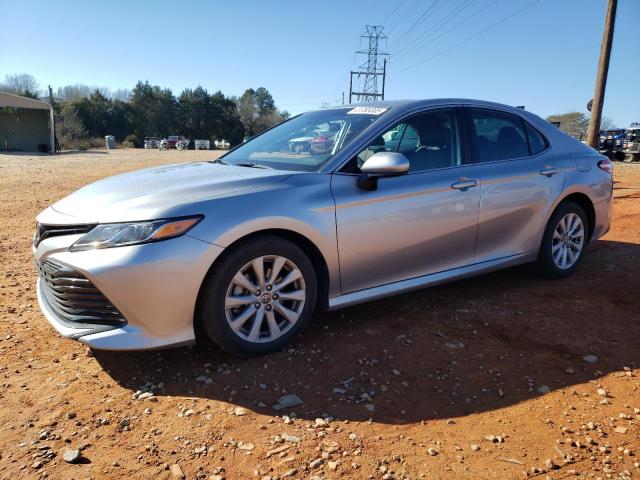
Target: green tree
x,y
99,115
257,111
207,116
154,111
264,102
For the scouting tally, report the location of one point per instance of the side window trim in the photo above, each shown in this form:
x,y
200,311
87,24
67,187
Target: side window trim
x,y
404,130
466,135
457,114
456,109
547,144
526,136
473,136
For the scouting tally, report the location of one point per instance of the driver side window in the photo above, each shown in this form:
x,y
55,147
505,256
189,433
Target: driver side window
x,y
429,140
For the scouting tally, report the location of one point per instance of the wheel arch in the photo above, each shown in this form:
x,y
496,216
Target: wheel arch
x,y
308,247
580,198
586,204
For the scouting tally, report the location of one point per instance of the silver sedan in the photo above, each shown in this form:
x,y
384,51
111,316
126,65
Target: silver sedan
x,y
402,195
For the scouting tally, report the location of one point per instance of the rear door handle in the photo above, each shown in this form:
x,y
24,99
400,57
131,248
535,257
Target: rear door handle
x,y
464,184
549,171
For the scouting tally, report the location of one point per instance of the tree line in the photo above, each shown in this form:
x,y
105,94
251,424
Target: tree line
x,y
84,114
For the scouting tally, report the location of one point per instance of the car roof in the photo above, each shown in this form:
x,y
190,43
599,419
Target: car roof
x,y
399,108
433,102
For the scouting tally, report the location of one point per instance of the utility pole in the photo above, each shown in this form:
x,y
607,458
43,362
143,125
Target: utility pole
x,y
53,123
593,133
371,69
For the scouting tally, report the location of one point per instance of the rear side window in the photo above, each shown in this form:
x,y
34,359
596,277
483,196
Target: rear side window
x,y
498,136
537,142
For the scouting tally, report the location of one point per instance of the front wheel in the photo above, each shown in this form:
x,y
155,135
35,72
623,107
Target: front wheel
x,y
259,297
563,242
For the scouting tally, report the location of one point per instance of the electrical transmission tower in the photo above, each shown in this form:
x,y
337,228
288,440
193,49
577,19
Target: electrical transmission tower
x,y
369,71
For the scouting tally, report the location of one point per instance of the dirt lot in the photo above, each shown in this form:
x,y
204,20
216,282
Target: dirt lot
x,y
502,376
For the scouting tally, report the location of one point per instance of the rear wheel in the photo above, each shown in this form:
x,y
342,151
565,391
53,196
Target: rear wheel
x,y
259,297
563,242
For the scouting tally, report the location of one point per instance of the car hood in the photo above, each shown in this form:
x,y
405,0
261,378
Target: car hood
x,y
167,191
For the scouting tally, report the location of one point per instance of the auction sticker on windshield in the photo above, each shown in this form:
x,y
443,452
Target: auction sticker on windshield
x,y
367,110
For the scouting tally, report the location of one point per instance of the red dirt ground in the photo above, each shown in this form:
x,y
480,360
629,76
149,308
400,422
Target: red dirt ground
x,y
422,379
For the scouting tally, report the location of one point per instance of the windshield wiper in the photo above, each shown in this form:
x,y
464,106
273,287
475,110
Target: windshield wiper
x,y
252,165
217,160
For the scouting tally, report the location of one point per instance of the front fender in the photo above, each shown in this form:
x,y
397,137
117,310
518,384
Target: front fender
x,y
303,205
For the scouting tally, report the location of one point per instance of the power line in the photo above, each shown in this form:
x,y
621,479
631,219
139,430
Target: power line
x,y
440,24
473,36
428,41
392,12
417,20
404,16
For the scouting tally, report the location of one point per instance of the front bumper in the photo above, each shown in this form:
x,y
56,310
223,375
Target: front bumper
x,y
155,287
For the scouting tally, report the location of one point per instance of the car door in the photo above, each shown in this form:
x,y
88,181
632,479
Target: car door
x,y
520,178
412,225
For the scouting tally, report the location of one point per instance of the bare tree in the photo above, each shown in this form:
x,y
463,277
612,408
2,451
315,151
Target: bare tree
x,y
607,124
20,84
572,123
73,93
122,94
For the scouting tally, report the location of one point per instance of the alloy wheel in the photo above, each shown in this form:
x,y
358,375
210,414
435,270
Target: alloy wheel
x,y
265,299
567,241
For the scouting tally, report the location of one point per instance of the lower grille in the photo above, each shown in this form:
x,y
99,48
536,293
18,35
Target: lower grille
x,y
74,298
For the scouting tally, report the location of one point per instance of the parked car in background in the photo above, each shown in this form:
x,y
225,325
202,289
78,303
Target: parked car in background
x,y
222,144
202,144
611,143
322,143
174,141
151,142
302,144
631,145
245,247
324,138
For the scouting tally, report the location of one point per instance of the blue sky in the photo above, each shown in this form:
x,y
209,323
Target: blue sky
x,y
544,58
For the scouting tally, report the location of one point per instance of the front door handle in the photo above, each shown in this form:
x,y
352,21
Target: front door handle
x,y
549,171
464,184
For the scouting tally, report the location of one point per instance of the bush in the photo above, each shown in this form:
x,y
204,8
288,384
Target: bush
x,y
131,141
67,142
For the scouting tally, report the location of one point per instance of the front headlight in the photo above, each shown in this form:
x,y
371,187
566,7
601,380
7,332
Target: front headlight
x,y
109,235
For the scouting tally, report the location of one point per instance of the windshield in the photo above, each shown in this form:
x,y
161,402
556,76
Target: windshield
x,y
307,141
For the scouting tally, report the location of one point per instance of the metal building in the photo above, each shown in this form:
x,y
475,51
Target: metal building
x,y
25,124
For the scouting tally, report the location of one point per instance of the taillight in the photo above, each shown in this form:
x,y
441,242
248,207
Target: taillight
x,y
606,165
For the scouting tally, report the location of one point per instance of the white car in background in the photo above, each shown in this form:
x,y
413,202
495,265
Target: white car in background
x,y
151,142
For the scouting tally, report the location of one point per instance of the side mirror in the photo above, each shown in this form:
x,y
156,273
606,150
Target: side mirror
x,y
382,164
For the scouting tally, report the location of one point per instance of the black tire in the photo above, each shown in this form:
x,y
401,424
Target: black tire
x,y
210,311
545,264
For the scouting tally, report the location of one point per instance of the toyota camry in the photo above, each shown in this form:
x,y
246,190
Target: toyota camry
x,y
244,248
